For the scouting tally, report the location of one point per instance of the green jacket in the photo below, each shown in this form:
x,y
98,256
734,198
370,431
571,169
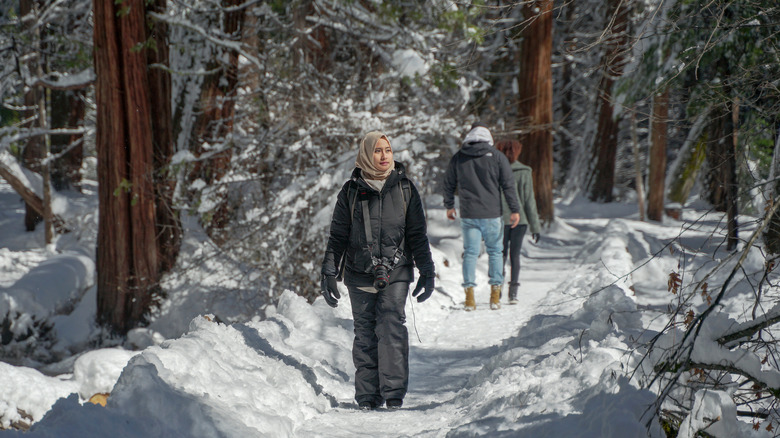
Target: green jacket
x,y
525,194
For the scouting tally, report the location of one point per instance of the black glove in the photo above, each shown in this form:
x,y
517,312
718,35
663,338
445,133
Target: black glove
x,y
330,290
536,237
428,283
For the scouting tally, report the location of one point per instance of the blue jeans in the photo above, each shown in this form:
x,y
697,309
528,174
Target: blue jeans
x,y
474,232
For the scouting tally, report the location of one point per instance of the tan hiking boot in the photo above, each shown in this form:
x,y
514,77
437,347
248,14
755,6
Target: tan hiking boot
x,y
495,296
470,303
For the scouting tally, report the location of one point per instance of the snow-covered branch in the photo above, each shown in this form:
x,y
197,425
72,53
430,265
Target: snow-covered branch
x,y
222,42
61,81
748,329
22,183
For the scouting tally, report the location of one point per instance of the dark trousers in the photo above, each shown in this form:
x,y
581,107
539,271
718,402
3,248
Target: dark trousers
x,y
513,243
380,351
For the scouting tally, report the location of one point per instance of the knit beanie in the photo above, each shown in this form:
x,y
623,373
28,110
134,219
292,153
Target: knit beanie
x,y
365,158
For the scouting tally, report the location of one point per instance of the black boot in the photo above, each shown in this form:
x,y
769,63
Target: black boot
x,y
513,293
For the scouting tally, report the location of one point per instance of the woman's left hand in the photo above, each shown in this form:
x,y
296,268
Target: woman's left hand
x,y
428,283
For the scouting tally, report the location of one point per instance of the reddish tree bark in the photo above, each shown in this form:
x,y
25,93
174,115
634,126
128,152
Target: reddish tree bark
x,y
535,108
605,142
127,253
658,141
168,222
113,247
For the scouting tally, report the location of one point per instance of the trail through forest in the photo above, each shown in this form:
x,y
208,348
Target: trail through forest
x,y
448,351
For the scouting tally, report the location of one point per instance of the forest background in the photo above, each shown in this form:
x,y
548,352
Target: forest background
x,y
243,117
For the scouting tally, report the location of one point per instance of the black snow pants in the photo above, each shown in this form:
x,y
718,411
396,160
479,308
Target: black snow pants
x,y
513,243
380,351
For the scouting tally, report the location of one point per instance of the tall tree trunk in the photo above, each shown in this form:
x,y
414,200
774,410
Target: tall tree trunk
x,y
721,180
67,111
38,67
715,181
639,178
684,171
535,107
658,141
43,124
772,234
605,142
732,193
33,149
127,255
168,222
215,121
312,46
567,106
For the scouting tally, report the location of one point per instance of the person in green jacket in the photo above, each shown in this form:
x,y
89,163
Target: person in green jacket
x,y
529,219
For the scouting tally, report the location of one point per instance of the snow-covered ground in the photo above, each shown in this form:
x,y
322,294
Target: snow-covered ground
x,y
555,365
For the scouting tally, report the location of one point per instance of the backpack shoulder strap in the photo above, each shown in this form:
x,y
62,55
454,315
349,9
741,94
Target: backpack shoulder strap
x,y
351,200
406,193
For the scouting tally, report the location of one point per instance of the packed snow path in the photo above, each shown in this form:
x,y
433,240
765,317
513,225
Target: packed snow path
x,y
447,353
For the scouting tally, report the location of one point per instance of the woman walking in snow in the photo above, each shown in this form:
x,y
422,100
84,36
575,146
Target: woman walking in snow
x,y
513,237
377,234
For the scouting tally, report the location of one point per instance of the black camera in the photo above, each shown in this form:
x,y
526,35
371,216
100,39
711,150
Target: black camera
x,y
381,275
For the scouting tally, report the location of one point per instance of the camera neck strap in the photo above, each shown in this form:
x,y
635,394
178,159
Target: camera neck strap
x,y
367,223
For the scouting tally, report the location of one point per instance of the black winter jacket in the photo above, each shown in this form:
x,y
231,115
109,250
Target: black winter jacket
x,y
480,173
388,227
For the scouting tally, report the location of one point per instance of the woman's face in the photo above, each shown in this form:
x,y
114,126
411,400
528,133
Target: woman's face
x,y
383,155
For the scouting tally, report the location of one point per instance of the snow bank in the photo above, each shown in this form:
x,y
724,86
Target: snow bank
x,y
217,380
25,390
564,375
37,305
54,286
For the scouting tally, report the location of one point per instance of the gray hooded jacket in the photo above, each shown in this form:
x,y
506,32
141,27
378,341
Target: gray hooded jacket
x,y
479,173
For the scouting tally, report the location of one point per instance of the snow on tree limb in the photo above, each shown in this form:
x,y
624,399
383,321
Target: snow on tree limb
x,y
58,81
22,183
746,330
223,42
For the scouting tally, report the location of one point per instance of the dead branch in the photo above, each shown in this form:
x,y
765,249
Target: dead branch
x,y
29,196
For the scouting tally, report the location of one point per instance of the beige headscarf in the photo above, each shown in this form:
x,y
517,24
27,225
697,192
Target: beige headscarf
x,y
365,158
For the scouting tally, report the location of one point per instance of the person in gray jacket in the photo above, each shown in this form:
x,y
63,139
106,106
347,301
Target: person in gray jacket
x,y
480,174
529,219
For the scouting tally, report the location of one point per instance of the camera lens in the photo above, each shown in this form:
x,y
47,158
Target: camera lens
x,y
381,277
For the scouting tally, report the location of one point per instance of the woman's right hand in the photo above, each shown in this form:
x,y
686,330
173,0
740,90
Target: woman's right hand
x,y
330,290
